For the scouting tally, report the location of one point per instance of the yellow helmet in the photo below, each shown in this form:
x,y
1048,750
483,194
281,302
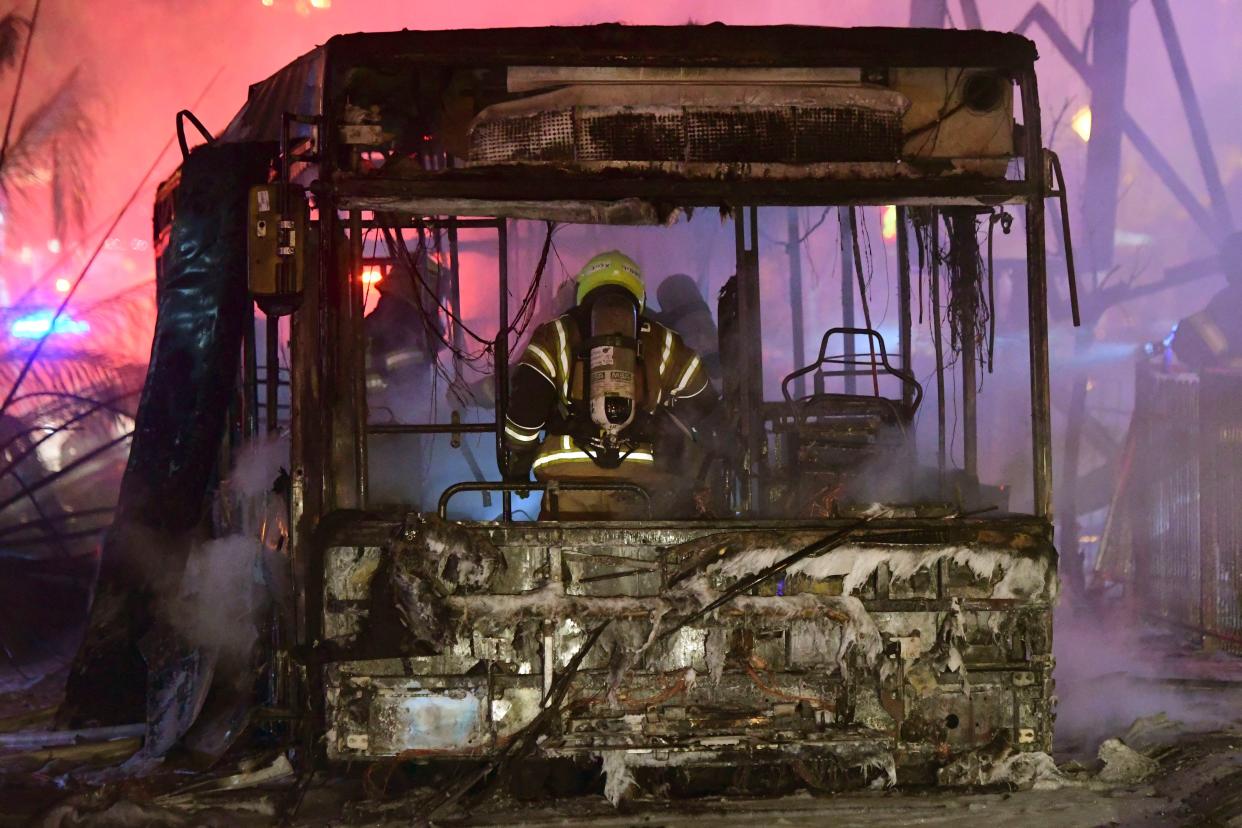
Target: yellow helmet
x,y
612,268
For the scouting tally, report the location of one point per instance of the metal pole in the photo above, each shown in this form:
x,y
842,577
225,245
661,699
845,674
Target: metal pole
x,y
794,248
357,366
847,291
1110,33
1037,300
905,319
272,372
750,381
758,434
938,344
966,254
459,336
250,379
502,362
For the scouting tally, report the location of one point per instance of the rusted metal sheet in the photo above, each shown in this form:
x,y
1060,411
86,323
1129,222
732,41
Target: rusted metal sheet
x,y
885,654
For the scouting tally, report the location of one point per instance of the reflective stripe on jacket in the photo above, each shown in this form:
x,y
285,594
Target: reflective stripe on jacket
x,y
671,371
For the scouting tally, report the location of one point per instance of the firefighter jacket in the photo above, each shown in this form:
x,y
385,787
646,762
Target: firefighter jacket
x,y
399,351
1209,338
549,390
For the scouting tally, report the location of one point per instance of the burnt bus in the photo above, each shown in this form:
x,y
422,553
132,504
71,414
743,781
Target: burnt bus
x,y
848,604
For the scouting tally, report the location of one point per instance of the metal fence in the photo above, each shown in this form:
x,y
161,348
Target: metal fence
x,y
1183,501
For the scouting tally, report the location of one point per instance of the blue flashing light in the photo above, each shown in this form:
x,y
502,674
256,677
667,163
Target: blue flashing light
x,y
37,325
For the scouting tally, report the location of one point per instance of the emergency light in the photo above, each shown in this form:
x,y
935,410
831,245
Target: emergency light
x,y
39,324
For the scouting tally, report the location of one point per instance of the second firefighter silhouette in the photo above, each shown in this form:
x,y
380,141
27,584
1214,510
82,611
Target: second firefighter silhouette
x,y
604,394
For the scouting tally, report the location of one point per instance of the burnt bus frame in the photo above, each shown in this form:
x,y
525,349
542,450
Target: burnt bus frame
x,y
328,414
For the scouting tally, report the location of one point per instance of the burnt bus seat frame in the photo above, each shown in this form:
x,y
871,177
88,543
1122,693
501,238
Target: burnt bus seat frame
x,y
854,365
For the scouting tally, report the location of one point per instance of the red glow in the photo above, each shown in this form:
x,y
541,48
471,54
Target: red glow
x,y
371,275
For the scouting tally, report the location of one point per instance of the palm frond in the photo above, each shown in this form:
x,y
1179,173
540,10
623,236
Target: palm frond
x,y
53,149
13,31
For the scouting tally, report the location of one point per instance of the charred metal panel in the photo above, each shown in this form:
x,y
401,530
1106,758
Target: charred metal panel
x,y
181,420
838,658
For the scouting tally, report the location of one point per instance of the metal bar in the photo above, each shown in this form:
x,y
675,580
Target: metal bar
x,y
1037,299
432,428
250,377
1110,41
967,255
34,739
938,347
356,364
393,220
459,336
905,322
509,487
501,367
272,356
389,194
794,248
750,383
847,290
1194,114
1067,243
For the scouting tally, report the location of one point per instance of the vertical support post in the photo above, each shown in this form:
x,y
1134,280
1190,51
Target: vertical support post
x,y
938,346
459,336
502,361
1037,298
272,371
750,332
794,248
905,319
847,290
356,365
965,255
1110,38
250,378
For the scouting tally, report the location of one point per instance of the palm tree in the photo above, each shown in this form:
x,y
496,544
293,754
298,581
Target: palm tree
x,y
49,152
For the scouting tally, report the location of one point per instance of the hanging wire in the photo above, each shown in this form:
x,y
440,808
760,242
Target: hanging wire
x,y
1005,220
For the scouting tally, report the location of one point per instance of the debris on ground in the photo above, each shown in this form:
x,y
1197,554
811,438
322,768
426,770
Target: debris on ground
x,y
1124,765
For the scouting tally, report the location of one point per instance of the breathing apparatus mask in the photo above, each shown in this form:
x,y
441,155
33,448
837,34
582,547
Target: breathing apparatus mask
x,y
611,388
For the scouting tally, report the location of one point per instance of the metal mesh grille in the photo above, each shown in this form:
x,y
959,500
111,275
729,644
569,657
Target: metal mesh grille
x,y
798,135
543,136
1188,483
1220,475
629,136
1167,542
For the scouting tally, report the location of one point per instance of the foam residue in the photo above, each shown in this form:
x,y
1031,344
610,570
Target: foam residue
x,y
1022,576
618,779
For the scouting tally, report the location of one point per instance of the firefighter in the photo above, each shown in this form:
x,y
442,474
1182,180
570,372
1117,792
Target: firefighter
x,y
683,309
617,396
400,346
1210,338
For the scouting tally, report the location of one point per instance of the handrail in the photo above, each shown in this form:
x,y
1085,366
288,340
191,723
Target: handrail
x,y
902,375
498,486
